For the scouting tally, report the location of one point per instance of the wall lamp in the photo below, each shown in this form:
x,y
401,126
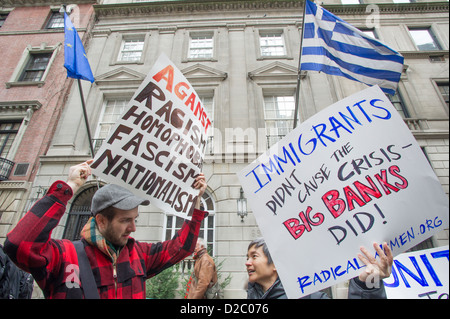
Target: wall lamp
x,y
242,206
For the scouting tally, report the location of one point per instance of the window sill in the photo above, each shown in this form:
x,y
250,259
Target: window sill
x,y
127,62
275,57
39,84
199,60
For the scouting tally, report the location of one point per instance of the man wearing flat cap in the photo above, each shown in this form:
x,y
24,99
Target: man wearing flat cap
x,y
120,265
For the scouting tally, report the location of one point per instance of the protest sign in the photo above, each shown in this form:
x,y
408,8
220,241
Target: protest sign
x,y
156,149
349,176
420,275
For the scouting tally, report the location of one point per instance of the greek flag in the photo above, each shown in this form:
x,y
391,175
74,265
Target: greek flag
x,y
335,47
75,60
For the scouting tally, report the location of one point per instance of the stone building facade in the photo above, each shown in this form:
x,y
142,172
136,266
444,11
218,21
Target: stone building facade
x,y
33,91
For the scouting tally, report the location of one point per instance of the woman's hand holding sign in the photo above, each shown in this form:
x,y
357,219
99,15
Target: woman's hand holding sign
x,y
376,270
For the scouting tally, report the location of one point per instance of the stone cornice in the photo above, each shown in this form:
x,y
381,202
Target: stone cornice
x,y
20,105
17,185
390,8
36,3
424,54
177,6
171,7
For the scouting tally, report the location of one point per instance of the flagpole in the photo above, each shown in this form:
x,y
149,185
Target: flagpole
x,y
297,93
86,118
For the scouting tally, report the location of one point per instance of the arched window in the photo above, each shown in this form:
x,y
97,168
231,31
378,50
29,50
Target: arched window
x,y
79,214
207,229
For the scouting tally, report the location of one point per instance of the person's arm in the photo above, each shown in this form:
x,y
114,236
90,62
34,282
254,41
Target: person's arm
x,y
78,175
160,256
200,184
357,289
369,284
29,244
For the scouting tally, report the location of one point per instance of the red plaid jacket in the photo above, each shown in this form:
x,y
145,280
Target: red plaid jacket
x,y
53,262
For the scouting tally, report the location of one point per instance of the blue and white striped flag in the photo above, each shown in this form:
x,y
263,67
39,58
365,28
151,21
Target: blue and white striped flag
x,y
335,47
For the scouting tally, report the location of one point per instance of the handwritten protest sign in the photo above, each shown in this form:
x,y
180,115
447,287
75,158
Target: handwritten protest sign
x,y
349,176
420,275
157,147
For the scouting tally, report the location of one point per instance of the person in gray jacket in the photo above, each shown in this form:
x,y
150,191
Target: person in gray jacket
x,y
264,282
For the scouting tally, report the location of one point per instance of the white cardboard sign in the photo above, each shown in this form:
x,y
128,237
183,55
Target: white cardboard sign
x,y
157,147
349,176
420,275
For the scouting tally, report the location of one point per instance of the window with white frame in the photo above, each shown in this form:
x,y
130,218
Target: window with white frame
x,y
131,50
207,228
272,44
8,132
370,32
279,116
444,90
112,110
56,21
399,104
3,17
201,46
424,39
208,103
35,68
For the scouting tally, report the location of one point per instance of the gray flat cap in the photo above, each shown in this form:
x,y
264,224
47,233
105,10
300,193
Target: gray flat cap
x,y
117,197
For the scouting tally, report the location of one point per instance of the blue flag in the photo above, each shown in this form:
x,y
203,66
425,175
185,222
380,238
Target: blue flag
x,y
75,60
335,47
